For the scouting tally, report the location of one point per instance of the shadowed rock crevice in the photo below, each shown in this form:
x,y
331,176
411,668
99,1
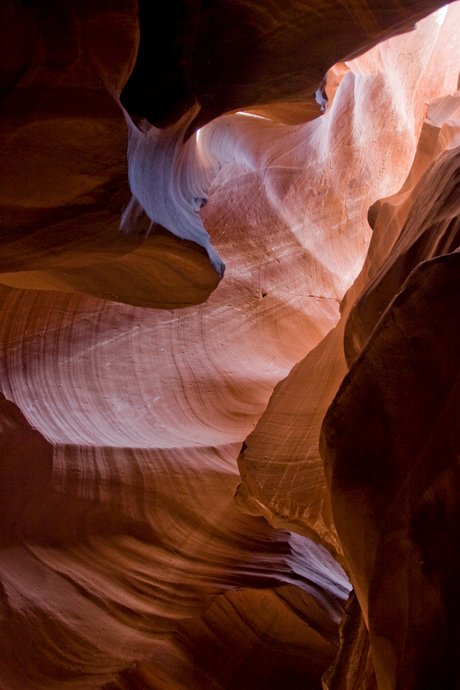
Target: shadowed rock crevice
x,y
143,389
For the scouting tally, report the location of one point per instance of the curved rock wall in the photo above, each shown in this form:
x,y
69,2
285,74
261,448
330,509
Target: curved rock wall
x,y
143,386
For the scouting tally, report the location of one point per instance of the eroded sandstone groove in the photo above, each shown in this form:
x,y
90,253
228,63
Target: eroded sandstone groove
x,y
205,221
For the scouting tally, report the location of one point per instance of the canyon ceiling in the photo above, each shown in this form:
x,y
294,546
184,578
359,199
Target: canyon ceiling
x,y
230,345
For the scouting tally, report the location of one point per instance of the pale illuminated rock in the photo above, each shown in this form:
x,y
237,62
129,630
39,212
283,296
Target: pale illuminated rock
x,y
281,468
124,555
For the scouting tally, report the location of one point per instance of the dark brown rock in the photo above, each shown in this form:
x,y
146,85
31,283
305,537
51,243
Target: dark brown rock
x,y
390,443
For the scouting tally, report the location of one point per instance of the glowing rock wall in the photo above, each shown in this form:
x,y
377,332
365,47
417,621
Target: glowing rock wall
x,y
186,246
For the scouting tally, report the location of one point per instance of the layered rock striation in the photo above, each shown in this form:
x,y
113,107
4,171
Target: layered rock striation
x,y
194,250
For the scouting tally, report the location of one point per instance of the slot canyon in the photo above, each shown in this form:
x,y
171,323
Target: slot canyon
x,y
229,362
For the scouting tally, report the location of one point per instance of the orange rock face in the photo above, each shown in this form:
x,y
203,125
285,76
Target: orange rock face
x,y
194,247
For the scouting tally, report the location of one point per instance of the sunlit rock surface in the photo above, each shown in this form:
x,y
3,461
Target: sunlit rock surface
x,y
281,468
420,223
184,235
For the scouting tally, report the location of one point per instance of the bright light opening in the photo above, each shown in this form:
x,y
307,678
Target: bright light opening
x,y
440,15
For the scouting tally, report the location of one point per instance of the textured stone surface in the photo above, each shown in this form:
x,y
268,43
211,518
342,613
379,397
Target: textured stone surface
x,y
139,160
234,54
353,667
398,479
281,466
64,171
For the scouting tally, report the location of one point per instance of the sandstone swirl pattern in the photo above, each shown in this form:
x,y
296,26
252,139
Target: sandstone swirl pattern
x,y
178,259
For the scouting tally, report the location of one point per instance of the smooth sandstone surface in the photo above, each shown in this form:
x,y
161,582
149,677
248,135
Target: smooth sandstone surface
x,y
280,465
189,239
398,538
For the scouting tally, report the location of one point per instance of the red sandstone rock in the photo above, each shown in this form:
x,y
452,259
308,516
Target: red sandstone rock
x,y
126,562
281,468
393,487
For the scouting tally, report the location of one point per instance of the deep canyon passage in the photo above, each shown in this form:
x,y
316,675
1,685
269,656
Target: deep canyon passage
x,y
230,345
